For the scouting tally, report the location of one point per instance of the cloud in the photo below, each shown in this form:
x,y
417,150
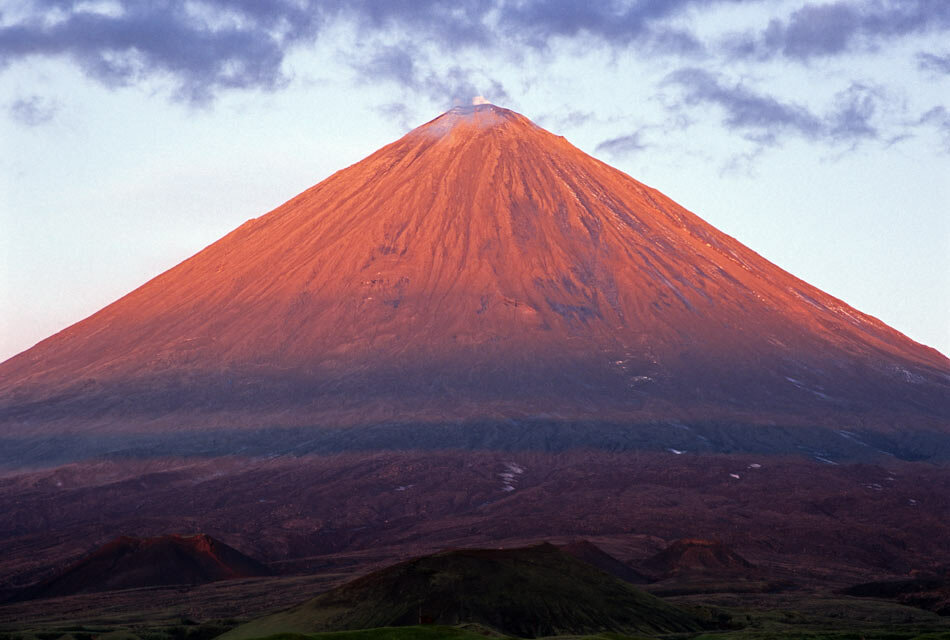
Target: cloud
x,y
411,69
933,62
766,119
459,23
815,30
743,108
833,28
537,22
206,46
33,110
462,84
938,118
624,145
391,63
398,112
850,117
448,51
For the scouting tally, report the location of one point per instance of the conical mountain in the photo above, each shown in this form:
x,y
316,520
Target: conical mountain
x,y
133,563
479,268
696,557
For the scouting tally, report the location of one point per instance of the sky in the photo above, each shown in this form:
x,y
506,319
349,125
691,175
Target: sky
x,y
135,133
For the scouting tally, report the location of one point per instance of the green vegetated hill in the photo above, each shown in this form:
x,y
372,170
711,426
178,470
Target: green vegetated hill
x,y
528,592
417,632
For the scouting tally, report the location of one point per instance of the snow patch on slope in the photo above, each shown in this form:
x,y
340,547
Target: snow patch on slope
x,y
510,475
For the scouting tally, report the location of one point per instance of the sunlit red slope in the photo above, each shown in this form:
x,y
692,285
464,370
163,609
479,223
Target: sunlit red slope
x,y
479,267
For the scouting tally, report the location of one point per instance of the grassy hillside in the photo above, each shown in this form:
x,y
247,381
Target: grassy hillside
x,y
428,632
531,592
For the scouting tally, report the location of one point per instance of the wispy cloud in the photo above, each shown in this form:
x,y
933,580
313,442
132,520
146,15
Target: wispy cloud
x,y
938,118
744,109
391,62
934,62
624,145
398,112
767,119
33,111
412,70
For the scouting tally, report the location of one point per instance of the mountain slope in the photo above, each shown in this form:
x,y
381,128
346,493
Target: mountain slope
x,y
479,268
132,563
694,557
590,553
529,592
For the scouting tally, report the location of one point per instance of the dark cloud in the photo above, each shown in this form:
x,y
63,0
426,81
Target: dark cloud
x,y
827,29
766,119
933,62
814,30
33,110
618,23
206,46
457,23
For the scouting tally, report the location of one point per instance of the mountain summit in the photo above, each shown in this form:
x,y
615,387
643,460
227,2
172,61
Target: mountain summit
x,y
478,269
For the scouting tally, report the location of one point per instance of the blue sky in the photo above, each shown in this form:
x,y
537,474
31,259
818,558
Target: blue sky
x,y
136,133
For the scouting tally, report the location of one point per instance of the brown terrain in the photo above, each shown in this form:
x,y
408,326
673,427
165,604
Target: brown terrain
x,y
478,336
692,556
132,563
807,521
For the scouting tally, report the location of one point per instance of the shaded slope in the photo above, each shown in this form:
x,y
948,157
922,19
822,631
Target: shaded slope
x,y
131,563
930,592
478,268
590,553
530,592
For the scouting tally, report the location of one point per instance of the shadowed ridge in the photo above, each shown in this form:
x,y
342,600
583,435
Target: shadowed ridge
x,y
592,554
528,592
131,563
928,590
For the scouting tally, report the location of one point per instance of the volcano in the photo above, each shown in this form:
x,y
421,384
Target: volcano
x,y
134,563
697,557
478,274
